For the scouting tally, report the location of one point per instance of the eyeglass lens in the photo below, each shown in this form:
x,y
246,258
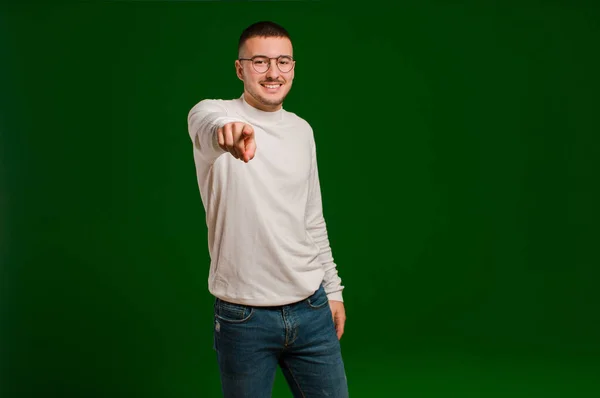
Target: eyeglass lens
x,y
262,64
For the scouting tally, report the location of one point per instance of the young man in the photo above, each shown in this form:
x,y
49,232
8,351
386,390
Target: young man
x,y
278,296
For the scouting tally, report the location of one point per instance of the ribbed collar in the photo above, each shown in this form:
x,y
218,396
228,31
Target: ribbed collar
x,y
259,116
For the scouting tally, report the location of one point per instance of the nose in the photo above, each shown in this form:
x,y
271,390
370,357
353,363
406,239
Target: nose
x,y
273,71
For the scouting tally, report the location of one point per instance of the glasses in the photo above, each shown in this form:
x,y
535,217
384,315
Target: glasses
x,y
262,64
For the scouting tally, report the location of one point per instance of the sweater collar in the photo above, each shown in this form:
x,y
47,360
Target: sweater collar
x,y
259,115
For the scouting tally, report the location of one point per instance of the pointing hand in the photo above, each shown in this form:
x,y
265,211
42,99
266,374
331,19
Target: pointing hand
x,y
237,138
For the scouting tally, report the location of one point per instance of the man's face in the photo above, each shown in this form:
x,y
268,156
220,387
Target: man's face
x,y
265,90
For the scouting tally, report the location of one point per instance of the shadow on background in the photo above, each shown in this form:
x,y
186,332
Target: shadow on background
x,y
458,154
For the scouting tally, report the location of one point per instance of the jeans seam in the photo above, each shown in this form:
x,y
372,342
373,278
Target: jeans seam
x,y
218,306
235,321
294,377
316,307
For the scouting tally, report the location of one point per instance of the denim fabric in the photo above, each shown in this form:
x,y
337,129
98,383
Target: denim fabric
x,y
251,342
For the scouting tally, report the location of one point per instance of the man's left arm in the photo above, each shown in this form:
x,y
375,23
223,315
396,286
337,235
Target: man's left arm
x,y
316,227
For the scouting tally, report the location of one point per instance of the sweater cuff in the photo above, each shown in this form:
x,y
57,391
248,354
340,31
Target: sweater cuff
x,y
335,296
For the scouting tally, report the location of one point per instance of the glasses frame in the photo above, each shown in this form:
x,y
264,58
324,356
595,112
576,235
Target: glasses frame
x,y
269,64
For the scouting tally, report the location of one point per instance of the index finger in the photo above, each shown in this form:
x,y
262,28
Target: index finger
x,y
247,130
250,149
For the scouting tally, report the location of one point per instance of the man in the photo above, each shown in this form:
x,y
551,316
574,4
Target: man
x,y
278,296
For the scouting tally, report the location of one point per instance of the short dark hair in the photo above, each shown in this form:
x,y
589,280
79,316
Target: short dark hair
x,y
262,29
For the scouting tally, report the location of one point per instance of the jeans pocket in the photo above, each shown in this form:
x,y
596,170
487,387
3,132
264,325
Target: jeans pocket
x,y
318,299
232,313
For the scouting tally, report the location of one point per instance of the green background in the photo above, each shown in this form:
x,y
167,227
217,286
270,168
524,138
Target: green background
x,y
459,156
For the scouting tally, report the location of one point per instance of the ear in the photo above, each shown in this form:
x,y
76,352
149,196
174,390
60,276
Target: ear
x,y
239,70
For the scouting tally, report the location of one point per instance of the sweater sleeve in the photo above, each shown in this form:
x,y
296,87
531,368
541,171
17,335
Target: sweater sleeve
x,y
204,119
316,227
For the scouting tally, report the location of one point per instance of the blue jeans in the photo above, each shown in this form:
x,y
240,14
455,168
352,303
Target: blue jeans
x,y
300,338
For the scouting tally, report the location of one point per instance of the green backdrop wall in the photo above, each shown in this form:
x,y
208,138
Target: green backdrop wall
x,y
458,151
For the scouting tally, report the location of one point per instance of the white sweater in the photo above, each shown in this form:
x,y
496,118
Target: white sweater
x,y
267,237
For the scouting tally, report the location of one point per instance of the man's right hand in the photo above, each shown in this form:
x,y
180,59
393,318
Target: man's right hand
x,y
237,138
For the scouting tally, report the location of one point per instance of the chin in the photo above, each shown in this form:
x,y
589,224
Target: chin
x,y
268,100
271,100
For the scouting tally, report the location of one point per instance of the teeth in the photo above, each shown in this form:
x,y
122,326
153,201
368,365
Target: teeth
x,y
271,85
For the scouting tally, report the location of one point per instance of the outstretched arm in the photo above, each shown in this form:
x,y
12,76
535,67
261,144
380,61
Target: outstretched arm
x,y
213,132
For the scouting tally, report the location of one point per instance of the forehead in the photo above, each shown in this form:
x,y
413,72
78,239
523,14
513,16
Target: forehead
x,y
269,46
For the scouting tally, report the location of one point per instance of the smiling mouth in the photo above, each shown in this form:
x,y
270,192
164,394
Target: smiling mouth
x,y
271,85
